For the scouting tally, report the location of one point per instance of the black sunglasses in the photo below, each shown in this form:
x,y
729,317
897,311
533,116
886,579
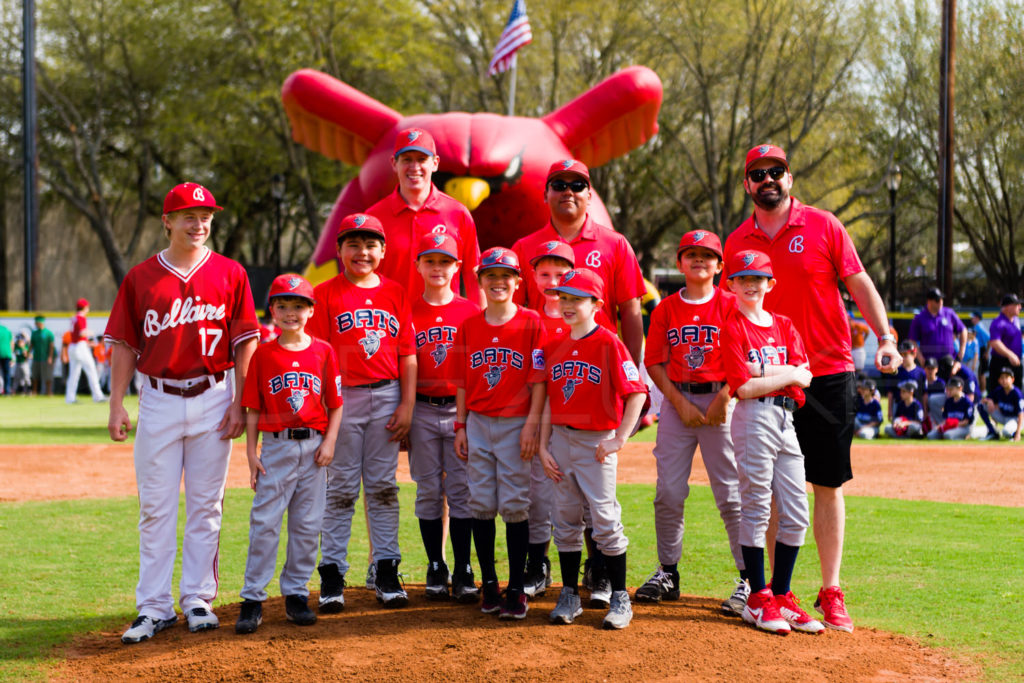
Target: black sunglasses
x,y
758,174
575,185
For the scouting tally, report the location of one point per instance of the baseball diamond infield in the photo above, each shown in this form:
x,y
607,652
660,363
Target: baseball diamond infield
x,y
686,640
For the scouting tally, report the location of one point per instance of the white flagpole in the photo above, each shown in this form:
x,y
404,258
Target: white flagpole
x,y
512,87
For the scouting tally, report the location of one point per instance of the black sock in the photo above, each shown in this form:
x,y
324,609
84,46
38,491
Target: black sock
x,y
753,558
616,565
785,560
569,564
593,554
672,570
461,531
483,539
517,537
432,531
745,575
535,555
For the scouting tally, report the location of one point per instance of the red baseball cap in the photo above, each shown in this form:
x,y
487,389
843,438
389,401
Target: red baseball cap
x,y
415,140
189,196
568,166
291,284
554,249
499,257
360,222
700,238
750,262
81,303
765,152
438,243
582,282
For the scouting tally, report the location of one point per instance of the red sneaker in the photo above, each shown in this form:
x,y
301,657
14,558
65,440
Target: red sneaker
x,y
832,604
762,612
799,620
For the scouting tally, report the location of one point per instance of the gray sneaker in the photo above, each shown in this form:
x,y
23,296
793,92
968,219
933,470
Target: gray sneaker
x,y
621,612
733,605
568,607
371,576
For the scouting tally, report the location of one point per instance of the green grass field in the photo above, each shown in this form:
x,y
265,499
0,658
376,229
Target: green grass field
x,y
944,574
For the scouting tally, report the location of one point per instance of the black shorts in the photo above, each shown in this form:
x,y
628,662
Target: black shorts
x,y
824,427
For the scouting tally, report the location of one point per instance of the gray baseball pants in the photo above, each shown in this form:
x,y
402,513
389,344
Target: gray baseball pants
x,y
363,453
673,454
499,480
770,463
586,483
295,483
434,467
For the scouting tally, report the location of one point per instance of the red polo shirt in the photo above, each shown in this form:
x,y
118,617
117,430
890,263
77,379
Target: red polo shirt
x,y
598,248
810,255
404,227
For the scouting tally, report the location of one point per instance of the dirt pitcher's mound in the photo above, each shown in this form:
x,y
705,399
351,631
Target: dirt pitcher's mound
x,y
684,641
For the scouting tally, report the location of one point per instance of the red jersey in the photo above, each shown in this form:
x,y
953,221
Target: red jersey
x,y
404,227
809,257
553,327
436,328
78,326
368,328
598,248
494,362
687,336
183,325
293,388
588,378
777,344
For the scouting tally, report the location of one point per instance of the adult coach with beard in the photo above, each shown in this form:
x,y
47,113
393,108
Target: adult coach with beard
x,y
811,251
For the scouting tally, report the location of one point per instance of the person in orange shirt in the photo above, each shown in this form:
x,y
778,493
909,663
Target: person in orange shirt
x,y
858,334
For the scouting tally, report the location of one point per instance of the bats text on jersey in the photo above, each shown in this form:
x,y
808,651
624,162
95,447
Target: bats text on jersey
x,y
294,380
769,355
442,337
701,338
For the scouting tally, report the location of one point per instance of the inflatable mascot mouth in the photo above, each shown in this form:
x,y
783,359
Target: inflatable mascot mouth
x,y
495,165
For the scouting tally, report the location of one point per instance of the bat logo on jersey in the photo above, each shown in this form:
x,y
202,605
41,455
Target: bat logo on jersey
x,y
371,342
695,357
439,353
493,376
181,313
569,388
297,399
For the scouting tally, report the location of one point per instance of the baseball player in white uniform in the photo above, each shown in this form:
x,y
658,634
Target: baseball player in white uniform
x,y
185,318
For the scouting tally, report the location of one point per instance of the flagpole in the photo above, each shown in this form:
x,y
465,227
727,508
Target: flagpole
x,y
512,87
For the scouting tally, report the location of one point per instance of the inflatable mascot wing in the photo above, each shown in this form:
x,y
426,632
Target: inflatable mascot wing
x,y
493,164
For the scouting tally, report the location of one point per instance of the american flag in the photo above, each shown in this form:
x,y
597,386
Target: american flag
x,y
516,34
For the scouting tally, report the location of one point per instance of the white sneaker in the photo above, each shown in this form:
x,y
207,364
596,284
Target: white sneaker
x,y
568,608
621,612
145,627
201,619
734,604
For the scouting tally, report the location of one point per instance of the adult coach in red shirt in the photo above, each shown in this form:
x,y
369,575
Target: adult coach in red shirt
x,y
596,247
416,208
811,252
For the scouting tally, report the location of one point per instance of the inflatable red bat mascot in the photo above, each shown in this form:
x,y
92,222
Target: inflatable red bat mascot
x,y
493,164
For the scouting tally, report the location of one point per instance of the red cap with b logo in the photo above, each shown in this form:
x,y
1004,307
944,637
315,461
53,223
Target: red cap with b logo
x,y
189,196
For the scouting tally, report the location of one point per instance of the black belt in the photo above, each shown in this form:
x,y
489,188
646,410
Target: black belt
x,y
436,400
781,401
700,387
295,433
187,392
374,385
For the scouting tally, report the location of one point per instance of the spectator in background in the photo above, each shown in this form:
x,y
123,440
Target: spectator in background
x,y
908,418
44,351
80,357
957,413
869,411
909,371
934,391
6,360
1005,342
937,329
858,334
1006,404
983,355
22,382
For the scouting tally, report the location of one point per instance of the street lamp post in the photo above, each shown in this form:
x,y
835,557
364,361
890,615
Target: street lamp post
x,y
277,193
893,182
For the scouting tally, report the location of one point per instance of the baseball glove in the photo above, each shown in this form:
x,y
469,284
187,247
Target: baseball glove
x,y
950,423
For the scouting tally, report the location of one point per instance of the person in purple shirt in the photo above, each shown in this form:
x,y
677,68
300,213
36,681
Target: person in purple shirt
x,y
1005,342
937,330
